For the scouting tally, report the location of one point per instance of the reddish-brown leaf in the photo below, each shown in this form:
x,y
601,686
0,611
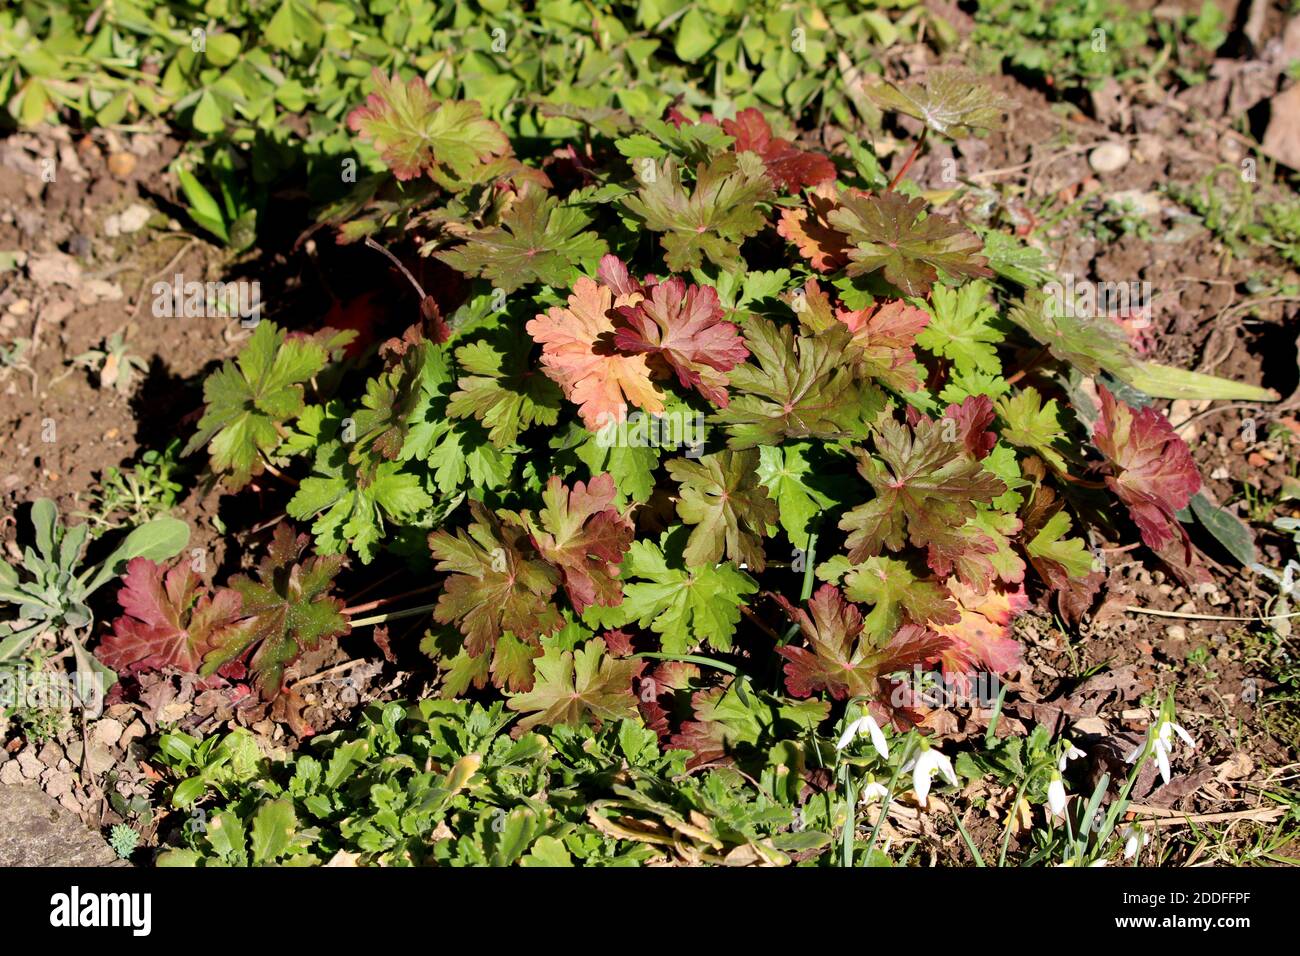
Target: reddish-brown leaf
x,y
680,327
1154,472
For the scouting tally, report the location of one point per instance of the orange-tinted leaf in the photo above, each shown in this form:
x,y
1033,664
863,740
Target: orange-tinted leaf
x,y
809,228
981,638
578,353
581,533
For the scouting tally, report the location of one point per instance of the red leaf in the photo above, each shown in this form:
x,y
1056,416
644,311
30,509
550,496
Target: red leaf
x,y
971,417
1154,472
680,326
839,662
168,621
786,164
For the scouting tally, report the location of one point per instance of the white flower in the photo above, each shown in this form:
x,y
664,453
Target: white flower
x,y
865,726
924,767
1071,753
874,791
1134,840
1162,742
1056,795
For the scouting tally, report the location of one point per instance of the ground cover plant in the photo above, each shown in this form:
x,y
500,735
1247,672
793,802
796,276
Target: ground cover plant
x,y
679,449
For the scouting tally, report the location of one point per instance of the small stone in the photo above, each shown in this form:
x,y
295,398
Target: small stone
x,y
20,307
1109,158
1139,201
11,773
58,784
121,165
36,830
30,766
55,268
1176,632
99,758
81,246
51,754
135,731
107,732
133,218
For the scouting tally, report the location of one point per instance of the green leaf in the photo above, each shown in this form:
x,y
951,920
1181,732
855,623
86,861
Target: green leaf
x,y
1161,381
203,208
1051,545
685,606
722,497
539,240
961,328
1229,530
274,826
503,389
951,102
248,400
802,387
785,472
157,540
711,220
416,132
573,686
1031,424
890,232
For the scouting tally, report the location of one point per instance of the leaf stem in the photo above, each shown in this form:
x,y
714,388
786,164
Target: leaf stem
x,y
907,164
380,602
392,615
690,659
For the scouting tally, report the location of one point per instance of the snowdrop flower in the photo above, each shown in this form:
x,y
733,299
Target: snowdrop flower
x,y
1071,753
865,726
1162,744
1056,795
874,791
1134,840
924,767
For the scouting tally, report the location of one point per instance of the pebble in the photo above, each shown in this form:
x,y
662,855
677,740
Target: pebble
x,y
1140,201
29,765
1109,157
10,773
129,220
51,754
107,732
121,165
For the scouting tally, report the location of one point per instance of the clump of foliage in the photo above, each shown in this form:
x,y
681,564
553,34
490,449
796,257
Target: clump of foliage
x,y
884,403
123,839
440,782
